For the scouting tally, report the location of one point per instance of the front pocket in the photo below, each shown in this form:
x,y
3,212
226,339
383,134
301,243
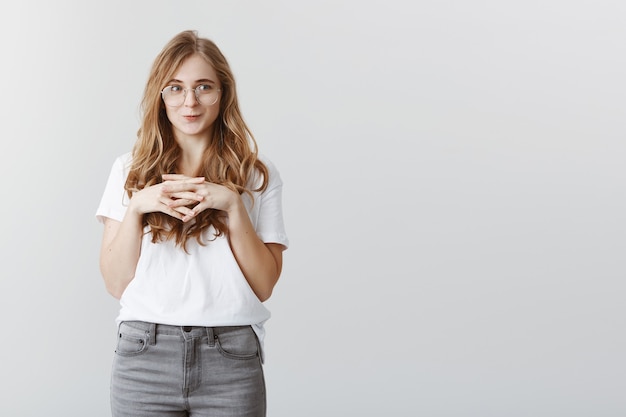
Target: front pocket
x,y
129,344
237,342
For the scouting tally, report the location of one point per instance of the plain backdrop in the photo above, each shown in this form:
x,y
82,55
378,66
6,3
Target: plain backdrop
x,y
454,196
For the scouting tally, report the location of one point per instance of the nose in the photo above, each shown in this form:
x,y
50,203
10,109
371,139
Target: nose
x,y
190,98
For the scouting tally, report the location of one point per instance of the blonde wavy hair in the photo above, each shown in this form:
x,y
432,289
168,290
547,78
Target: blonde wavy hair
x,y
231,159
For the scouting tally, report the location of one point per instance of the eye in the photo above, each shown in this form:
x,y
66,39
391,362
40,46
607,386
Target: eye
x,y
204,88
175,88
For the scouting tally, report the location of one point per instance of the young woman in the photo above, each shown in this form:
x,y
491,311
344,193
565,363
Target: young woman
x,y
192,245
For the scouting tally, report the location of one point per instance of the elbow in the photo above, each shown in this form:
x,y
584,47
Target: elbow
x,y
114,291
264,295
264,292
114,286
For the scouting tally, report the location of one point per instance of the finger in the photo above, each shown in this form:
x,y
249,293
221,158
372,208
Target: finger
x,y
180,187
181,202
173,177
186,213
172,212
183,211
168,206
187,195
197,209
181,177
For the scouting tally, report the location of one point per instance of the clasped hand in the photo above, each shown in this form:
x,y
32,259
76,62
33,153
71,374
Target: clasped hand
x,y
183,197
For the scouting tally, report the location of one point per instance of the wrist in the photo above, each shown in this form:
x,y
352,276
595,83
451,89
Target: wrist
x,y
236,211
133,213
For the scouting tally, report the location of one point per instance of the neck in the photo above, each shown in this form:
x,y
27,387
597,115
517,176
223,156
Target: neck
x,y
191,156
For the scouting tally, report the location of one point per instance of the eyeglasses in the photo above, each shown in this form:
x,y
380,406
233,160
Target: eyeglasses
x,y
174,95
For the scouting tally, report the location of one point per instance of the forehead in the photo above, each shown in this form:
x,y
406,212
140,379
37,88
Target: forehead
x,y
195,68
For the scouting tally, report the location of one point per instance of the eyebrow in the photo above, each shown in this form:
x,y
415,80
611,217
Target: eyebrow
x,y
202,80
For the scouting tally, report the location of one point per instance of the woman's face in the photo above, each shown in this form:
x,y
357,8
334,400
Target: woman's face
x,y
192,99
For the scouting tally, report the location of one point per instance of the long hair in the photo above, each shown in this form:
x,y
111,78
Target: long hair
x,y
231,159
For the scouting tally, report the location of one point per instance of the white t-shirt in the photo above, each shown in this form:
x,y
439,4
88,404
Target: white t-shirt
x,y
204,287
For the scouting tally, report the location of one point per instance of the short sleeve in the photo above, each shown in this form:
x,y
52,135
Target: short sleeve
x,y
114,200
270,225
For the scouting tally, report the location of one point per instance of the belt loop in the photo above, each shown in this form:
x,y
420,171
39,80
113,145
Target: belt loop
x,y
151,333
210,336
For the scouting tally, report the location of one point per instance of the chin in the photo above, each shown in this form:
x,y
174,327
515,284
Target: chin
x,y
195,132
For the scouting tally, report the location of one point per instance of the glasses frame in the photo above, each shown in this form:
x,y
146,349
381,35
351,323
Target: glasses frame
x,y
196,95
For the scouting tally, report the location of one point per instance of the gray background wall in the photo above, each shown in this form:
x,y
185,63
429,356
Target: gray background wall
x,y
454,195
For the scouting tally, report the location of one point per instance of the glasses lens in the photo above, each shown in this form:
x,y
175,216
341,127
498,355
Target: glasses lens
x,y
207,95
173,96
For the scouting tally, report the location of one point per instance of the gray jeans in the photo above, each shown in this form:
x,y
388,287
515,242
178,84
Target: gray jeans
x,y
161,370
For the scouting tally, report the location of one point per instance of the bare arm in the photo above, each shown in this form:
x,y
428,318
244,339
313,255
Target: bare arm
x,y
121,241
121,246
261,263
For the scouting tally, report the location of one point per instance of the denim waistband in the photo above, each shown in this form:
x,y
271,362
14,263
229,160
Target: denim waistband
x,y
154,329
